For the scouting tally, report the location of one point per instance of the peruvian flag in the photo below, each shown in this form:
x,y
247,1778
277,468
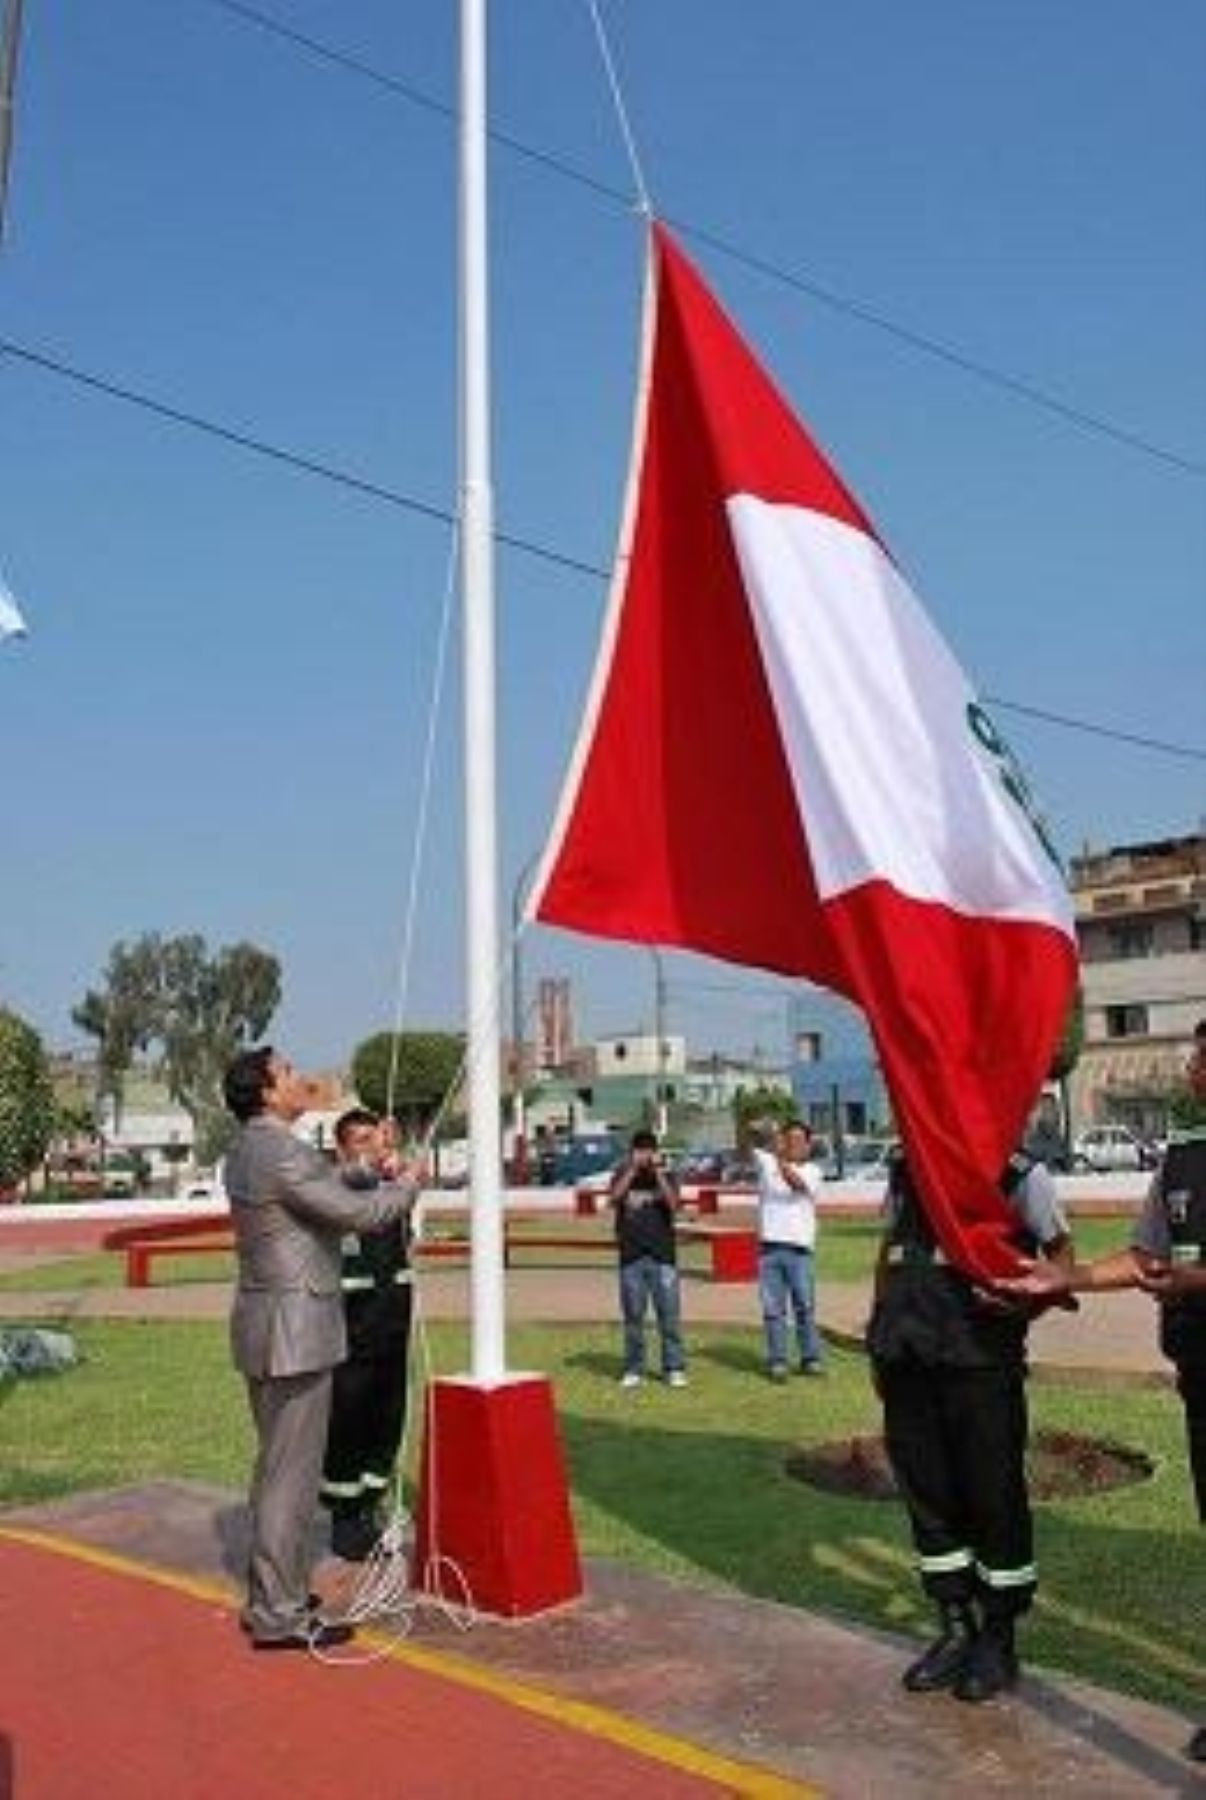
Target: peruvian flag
x,y
781,764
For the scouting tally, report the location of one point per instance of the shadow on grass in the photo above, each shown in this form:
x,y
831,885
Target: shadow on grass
x,y
1118,1607
597,1362
744,1355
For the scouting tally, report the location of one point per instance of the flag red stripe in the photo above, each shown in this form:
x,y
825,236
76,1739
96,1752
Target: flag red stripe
x,y
961,1070
686,709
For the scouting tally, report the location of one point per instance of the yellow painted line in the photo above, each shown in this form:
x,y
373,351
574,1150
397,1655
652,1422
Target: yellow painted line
x,y
736,1778
116,1563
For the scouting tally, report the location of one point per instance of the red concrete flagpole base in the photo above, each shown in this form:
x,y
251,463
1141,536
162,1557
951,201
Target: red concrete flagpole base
x,y
494,1527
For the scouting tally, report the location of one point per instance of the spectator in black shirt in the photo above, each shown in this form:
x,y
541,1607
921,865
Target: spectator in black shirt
x,y
644,1201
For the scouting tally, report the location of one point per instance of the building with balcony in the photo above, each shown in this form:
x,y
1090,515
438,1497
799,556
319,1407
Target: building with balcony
x,y
1141,924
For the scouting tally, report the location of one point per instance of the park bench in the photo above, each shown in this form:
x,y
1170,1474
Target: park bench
x,y
588,1201
732,1249
145,1242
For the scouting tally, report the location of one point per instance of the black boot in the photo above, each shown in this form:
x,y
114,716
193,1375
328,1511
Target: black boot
x,y
941,1665
1195,1749
355,1534
992,1663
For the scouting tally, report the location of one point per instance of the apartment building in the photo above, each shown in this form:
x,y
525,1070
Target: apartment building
x,y
1141,922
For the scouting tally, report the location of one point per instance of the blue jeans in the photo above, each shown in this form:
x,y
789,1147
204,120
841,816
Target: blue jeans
x,y
785,1276
642,1281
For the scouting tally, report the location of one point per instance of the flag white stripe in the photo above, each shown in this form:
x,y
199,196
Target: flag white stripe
x,y
872,708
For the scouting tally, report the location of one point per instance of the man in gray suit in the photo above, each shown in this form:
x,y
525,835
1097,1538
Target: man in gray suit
x,y
289,1210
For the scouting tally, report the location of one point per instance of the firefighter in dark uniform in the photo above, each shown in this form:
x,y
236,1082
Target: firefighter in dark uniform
x,y
949,1361
1166,1258
368,1396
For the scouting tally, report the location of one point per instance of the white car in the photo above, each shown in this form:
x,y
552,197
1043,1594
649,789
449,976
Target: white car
x,y
1106,1147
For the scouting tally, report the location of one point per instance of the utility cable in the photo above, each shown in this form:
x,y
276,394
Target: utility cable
x,y
309,465
306,465
857,310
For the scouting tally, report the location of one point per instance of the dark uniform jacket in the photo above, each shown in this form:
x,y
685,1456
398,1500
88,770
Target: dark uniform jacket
x,y
375,1281
1179,1194
928,1311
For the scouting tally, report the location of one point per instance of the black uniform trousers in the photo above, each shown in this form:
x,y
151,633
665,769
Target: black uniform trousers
x,y
1191,1385
957,1440
368,1408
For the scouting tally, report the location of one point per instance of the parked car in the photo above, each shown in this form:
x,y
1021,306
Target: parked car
x,y
582,1160
1107,1147
861,1159
703,1167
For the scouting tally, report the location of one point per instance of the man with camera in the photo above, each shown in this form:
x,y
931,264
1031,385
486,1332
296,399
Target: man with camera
x,y
644,1201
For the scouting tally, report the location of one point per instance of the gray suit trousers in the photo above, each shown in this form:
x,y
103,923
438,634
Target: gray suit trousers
x,y
290,1413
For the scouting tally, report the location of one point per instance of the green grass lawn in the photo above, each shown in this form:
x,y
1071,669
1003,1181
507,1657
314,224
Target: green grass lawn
x,y
689,1483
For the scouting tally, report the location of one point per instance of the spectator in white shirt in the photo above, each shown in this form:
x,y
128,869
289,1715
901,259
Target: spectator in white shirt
x,y
788,1185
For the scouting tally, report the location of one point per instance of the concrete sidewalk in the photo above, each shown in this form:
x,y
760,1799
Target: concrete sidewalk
x,y
1113,1335
814,1703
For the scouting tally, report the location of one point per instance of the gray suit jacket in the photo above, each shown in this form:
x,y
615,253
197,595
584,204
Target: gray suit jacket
x,y
289,1210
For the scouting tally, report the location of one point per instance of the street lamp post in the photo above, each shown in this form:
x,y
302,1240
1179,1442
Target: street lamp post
x,y
519,1140
661,1114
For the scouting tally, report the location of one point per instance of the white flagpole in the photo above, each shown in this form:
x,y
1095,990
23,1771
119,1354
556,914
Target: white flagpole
x,y
477,595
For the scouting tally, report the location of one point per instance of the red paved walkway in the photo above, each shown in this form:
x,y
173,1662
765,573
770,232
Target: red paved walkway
x,y
119,1687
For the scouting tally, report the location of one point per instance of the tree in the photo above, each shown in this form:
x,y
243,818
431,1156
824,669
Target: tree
x,y
1186,1110
199,1010
212,1009
1064,1060
421,1067
123,1015
27,1104
1072,1040
760,1106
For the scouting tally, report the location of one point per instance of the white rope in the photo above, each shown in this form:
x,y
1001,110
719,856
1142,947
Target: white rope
x,y
424,809
382,1592
644,205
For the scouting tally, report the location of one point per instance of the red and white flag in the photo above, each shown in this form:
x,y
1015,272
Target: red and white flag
x,y
782,765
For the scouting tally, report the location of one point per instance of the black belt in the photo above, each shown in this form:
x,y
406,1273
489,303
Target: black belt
x,y
927,1254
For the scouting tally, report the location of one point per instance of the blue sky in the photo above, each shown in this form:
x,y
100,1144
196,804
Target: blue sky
x,y
218,720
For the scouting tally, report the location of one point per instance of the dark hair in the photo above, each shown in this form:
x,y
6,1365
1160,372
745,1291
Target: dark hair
x,y
796,1125
644,1140
245,1081
348,1121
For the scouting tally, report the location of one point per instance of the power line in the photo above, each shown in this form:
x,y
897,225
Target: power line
x,y
1005,383
957,359
306,465
372,490
1121,737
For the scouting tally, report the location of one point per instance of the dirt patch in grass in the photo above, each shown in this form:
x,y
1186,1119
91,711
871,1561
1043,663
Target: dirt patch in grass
x,y
1059,1465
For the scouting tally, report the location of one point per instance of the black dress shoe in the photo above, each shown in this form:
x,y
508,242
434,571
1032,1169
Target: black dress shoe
x,y
1195,1749
313,1605
318,1636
